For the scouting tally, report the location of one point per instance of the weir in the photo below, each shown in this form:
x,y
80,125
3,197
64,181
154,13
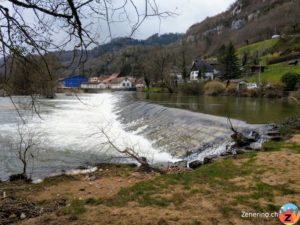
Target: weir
x,y
69,134
180,132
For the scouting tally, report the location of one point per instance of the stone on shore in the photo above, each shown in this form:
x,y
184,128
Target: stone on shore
x,y
195,164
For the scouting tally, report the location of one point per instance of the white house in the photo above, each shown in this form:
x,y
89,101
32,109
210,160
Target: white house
x,y
202,70
122,83
194,75
94,85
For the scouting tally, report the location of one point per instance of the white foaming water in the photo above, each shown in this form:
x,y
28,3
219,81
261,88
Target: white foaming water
x,y
75,126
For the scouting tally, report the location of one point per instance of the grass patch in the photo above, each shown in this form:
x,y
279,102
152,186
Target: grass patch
x,y
76,208
278,146
225,210
262,190
285,190
273,146
273,73
272,208
50,181
261,46
216,175
241,199
93,201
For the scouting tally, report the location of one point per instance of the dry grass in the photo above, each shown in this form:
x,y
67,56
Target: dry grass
x,y
213,194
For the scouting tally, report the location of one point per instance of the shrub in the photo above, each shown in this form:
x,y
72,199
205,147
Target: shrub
x,y
193,88
231,89
214,88
291,80
274,90
252,93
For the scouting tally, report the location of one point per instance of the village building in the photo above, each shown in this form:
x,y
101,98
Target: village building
x,y
202,70
107,80
256,69
140,83
74,81
93,85
122,83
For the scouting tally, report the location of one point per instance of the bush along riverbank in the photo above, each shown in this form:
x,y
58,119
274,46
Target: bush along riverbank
x,y
224,188
289,87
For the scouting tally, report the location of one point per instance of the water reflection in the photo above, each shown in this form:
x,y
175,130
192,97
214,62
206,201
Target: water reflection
x,y
251,110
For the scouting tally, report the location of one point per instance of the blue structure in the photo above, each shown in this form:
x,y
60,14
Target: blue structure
x,y
75,81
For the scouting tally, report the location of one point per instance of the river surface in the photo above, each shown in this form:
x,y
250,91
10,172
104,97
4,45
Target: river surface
x,y
251,110
71,131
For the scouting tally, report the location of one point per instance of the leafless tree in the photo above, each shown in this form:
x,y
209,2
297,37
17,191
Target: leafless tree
x,y
29,27
26,150
75,18
162,63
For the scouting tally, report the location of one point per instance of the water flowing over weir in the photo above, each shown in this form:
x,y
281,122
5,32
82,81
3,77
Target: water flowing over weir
x,y
182,133
69,133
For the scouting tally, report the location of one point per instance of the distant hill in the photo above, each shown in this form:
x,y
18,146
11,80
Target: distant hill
x,y
124,42
246,21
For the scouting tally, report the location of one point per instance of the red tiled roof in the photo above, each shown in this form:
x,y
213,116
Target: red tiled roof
x,y
110,78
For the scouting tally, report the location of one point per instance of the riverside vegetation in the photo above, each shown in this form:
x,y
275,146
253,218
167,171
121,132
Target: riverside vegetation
x,y
117,194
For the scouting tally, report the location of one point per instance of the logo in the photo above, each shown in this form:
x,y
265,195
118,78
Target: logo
x,y
289,214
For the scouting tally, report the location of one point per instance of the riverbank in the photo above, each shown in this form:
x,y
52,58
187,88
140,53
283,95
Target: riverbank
x,y
235,88
215,193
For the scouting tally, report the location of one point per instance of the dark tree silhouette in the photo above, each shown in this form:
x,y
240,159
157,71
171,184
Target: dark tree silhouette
x,y
230,62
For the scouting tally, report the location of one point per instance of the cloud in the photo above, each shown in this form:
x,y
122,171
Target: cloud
x,y
189,12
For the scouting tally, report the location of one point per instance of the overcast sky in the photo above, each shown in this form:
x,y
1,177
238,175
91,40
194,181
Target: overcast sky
x,y
189,12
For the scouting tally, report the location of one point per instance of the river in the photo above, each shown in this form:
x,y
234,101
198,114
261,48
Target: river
x,y
251,110
68,130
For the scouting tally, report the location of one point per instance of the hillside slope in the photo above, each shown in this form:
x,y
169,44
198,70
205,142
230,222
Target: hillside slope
x,y
246,21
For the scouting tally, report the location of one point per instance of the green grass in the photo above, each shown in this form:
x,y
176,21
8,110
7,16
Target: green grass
x,y
76,208
216,174
278,146
258,46
262,190
273,73
50,181
93,201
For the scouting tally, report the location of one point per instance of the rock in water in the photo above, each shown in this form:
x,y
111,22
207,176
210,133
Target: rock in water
x,y
256,146
182,164
195,164
209,159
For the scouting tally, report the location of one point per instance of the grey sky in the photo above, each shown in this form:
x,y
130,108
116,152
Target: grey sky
x,y
190,12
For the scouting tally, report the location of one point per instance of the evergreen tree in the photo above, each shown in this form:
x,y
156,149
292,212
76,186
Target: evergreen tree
x,y
231,63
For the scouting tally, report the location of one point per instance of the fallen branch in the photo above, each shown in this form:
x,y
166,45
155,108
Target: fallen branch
x,y
144,165
239,139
